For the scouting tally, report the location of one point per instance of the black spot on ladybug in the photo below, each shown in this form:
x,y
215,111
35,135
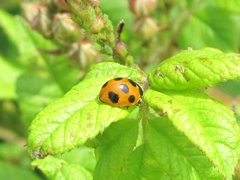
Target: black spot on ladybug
x,y
105,85
113,97
124,88
133,83
131,99
118,78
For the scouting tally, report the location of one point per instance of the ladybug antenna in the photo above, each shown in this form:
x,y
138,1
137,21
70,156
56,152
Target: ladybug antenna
x,y
120,30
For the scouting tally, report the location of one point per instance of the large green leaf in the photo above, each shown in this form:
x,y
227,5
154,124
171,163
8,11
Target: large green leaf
x,y
210,27
8,78
115,146
193,69
207,123
58,169
75,118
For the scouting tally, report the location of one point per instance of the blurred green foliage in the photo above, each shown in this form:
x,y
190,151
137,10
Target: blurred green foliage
x,y
37,70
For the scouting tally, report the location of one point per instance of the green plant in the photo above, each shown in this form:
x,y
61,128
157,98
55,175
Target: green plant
x,y
178,132
183,131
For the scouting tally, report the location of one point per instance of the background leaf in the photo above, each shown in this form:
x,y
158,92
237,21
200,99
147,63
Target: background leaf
x,y
231,5
26,54
231,87
206,29
34,94
12,172
81,155
8,78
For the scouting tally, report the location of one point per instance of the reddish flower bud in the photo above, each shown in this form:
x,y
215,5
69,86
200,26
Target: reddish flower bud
x,y
147,27
142,7
30,10
65,31
83,53
42,22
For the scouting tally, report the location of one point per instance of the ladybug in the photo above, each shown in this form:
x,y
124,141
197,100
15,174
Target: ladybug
x,y
121,92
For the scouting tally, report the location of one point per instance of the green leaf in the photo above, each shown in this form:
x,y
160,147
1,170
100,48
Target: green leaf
x,y
55,168
230,5
193,69
8,78
11,172
143,165
207,123
115,70
115,146
34,94
176,155
210,27
72,120
50,166
81,155
73,171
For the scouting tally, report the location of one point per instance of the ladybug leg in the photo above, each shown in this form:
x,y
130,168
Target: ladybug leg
x,y
138,103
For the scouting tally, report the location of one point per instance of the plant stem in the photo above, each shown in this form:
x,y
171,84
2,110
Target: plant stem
x,y
144,114
95,22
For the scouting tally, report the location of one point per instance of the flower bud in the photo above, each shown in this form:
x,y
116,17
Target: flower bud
x,y
30,10
84,53
42,22
65,31
142,7
147,27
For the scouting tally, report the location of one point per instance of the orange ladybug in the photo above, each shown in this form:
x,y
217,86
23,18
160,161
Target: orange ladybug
x,y
121,92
